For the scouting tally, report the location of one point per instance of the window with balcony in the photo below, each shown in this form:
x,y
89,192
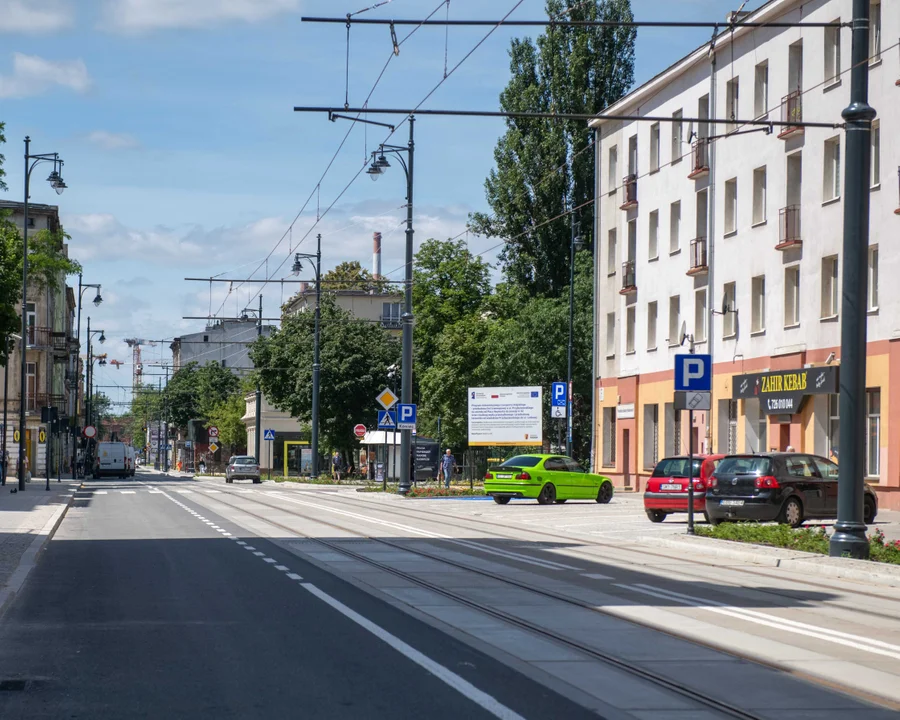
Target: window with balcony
x,y
876,154
759,196
832,176
677,135
729,320
833,53
652,311
874,32
761,90
610,334
629,283
613,165
701,315
700,159
792,296
792,103
654,147
699,260
612,252
654,235
829,287
731,206
789,225
675,227
873,278
629,331
758,301
629,197
674,320
732,105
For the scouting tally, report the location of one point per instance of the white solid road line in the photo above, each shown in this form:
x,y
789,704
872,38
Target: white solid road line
x,y
127,492
596,576
857,642
462,686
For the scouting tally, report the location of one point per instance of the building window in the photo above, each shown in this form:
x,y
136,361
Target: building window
x,y
873,278
651,436
833,53
834,425
873,433
633,155
830,287
654,235
654,147
675,227
732,427
876,154
758,311
677,129
875,31
609,437
632,240
674,320
792,296
759,195
206,338
761,90
832,179
629,331
763,432
731,206
729,321
651,325
731,103
673,430
702,215
224,362
612,258
613,169
610,334
700,315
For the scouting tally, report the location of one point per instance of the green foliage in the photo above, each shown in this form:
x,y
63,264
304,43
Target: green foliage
x,y
146,407
101,411
10,283
195,391
226,416
47,262
350,276
569,70
355,355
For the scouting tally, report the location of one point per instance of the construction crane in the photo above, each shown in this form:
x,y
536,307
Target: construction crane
x,y
117,363
138,372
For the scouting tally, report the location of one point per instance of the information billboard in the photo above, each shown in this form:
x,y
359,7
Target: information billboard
x,y
509,416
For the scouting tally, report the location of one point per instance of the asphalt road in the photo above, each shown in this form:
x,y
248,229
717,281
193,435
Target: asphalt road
x,y
140,609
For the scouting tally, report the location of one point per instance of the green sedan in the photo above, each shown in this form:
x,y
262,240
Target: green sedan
x,y
547,478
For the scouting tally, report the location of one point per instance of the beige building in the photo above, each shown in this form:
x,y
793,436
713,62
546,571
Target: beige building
x,y
384,308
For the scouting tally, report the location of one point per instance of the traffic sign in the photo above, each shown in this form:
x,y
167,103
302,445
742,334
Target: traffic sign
x,y
558,395
387,420
406,417
558,412
359,430
387,399
213,431
42,436
688,400
693,373
89,432
269,435
213,447
16,436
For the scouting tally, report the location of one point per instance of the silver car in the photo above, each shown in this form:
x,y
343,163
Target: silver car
x,y
242,467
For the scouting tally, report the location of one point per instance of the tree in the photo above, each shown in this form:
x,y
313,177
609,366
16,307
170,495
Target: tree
x,y
355,356
350,276
226,416
101,411
543,167
194,391
146,408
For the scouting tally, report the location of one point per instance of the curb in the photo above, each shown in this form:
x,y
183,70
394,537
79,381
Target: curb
x,y
30,557
811,563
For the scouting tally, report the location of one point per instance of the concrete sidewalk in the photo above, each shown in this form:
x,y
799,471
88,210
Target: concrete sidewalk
x,y
27,521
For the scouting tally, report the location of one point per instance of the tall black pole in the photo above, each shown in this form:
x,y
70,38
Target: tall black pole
x,y
5,403
314,467
23,400
407,377
166,424
256,443
571,405
77,378
159,426
87,378
849,538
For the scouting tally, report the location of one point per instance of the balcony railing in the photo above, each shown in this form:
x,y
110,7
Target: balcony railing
x,y
391,322
791,111
35,401
789,228
629,281
700,154
699,262
39,338
629,187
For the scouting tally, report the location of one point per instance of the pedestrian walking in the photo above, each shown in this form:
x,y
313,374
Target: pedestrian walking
x,y
448,462
4,466
336,466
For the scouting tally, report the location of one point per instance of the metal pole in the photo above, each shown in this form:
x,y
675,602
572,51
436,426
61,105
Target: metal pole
x,y
256,443
571,336
49,459
596,285
22,390
406,383
158,462
5,401
849,538
690,472
166,424
316,365
77,377
87,395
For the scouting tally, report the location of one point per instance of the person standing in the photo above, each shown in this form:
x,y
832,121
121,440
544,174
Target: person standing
x,y
448,462
4,466
336,466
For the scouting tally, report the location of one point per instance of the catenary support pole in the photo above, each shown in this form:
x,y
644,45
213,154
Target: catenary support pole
x,y
257,439
23,397
571,404
316,361
407,370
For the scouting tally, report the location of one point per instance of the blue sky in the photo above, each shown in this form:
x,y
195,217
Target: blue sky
x,y
184,157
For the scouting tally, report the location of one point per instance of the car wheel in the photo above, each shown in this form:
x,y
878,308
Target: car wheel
x,y
869,511
792,513
560,502
257,481
548,495
229,481
501,500
656,516
714,521
604,495
706,517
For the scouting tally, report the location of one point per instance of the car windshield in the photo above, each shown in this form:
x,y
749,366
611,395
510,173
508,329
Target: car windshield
x,y
522,461
745,465
245,461
676,467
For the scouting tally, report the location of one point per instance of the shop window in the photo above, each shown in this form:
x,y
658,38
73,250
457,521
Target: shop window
x,y
873,433
834,425
651,436
609,437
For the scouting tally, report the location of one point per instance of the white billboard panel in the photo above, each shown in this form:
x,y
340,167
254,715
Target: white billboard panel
x,y
505,416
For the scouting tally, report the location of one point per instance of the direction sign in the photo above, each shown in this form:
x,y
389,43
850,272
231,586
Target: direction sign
x,y
89,432
406,417
387,399
693,373
42,436
213,431
359,430
213,447
387,420
269,435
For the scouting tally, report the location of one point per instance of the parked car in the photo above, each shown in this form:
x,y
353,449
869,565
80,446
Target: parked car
x,y
242,467
546,478
667,489
784,487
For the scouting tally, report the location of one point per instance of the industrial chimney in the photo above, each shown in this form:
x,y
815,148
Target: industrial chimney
x,y
376,256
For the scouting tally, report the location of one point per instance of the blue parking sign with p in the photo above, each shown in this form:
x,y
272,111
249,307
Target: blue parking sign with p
x,y
693,373
558,394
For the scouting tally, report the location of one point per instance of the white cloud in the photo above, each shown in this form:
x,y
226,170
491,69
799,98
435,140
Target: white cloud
x,y
113,141
32,75
145,15
33,16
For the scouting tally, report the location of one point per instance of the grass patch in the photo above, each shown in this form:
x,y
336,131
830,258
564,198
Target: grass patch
x,y
814,540
432,492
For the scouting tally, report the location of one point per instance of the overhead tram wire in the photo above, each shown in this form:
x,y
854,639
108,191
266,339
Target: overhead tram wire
x,y
577,23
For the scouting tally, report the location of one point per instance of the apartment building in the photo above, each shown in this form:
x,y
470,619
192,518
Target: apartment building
x,y
52,363
730,236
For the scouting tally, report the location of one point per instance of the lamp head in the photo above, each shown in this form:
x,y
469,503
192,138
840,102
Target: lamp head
x,y
98,299
374,171
298,266
102,337
579,243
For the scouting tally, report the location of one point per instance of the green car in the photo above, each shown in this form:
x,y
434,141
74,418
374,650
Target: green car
x,y
547,478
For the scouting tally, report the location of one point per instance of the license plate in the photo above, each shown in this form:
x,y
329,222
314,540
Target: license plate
x,y
731,503
503,477
670,486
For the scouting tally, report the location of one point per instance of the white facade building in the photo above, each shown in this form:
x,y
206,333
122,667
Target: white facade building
x,y
694,216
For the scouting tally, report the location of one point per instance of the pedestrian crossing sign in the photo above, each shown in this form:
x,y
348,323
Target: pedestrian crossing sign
x,y
387,420
269,435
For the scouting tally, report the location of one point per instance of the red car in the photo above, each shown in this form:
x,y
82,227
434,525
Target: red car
x,y
667,488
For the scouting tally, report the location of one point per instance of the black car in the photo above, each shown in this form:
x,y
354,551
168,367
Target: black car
x,y
783,487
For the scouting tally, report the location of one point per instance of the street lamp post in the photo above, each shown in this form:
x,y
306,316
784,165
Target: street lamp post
x,y
574,245
97,300
298,266
256,442
57,183
89,399
376,169
5,402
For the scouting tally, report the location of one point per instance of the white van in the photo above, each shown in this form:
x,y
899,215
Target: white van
x,y
111,460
